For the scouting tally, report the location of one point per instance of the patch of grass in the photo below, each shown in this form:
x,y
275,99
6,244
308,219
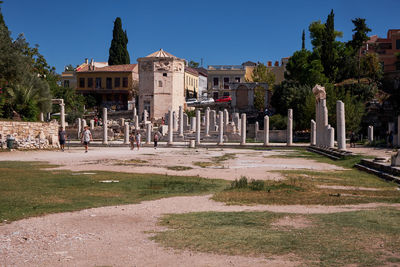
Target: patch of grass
x,y
215,161
26,189
131,162
301,187
179,168
364,238
203,164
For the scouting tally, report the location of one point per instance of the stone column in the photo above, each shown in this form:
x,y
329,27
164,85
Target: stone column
x,y
105,126
341,125
136,123
91,124
213,120
134,113
236,120
243,129
370,133
185,122
317,123
331,136
79,126
62,115
170,128
175,121
126,133
145,116
325,136
41,116
122,122
313,136
226,118
148,133
193,124
198,126
220,129
180,121
84,124
256,130
266,130
289,134
207,122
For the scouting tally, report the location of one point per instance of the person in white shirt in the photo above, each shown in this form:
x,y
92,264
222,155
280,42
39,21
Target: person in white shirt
x,y
86,137
138,137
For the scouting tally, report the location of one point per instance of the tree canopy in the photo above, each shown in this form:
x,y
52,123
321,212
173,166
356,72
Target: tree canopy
x,y
118,53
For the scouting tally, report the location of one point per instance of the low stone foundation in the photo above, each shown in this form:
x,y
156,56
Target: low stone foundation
x,y
30,135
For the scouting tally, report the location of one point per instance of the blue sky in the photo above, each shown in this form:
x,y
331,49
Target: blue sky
x,y
219,31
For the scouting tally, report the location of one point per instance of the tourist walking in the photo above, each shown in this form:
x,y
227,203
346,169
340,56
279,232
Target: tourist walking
x,y
86,138
138,137
132,140
62,137
353,139
155,138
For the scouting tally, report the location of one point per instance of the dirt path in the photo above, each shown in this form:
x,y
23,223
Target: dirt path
x,y
118,236
250,163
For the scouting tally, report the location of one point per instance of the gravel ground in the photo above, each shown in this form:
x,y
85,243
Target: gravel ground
x,y
119,235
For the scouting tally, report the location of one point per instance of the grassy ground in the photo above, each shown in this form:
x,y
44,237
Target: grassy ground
x,y
365,238
26,189
302,186
215,161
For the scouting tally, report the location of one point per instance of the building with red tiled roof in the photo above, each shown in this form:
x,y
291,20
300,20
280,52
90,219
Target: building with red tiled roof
x,y
388,50
111,86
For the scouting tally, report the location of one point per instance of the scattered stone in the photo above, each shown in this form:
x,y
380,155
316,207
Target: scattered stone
x,y
109,181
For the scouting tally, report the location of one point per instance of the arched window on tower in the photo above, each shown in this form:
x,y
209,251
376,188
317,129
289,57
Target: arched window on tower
x,y
159,83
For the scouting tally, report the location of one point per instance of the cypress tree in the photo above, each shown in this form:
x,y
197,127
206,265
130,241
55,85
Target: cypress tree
x,y
303,40
327,48
118,49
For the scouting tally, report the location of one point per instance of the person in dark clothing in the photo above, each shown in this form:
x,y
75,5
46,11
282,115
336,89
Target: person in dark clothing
x,y
62,137
353,139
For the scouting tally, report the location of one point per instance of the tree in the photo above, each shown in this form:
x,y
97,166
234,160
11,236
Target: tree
x,y
303,40
259,96
359,38
193,64
371,68
118,53
328,52
259,73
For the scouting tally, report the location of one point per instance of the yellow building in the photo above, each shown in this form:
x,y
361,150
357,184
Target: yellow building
x,y
112,86
191,83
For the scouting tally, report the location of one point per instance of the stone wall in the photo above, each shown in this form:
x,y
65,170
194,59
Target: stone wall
x,y
30,135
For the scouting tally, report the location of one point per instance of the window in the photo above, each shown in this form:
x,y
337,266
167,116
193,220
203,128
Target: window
x,y
164,74
398,44
108,83
215,95
82,82
98,83
216,81
159,83
226,93
226,81
66,84
237,79
117,82
125,82
90,82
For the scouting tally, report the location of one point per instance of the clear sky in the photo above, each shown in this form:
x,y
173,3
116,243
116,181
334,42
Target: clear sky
x,y
219,31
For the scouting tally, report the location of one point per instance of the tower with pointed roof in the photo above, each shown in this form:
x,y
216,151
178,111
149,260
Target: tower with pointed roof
x,y
161,79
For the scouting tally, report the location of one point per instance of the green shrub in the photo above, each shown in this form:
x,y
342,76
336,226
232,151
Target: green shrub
x,y
241,183
256,185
